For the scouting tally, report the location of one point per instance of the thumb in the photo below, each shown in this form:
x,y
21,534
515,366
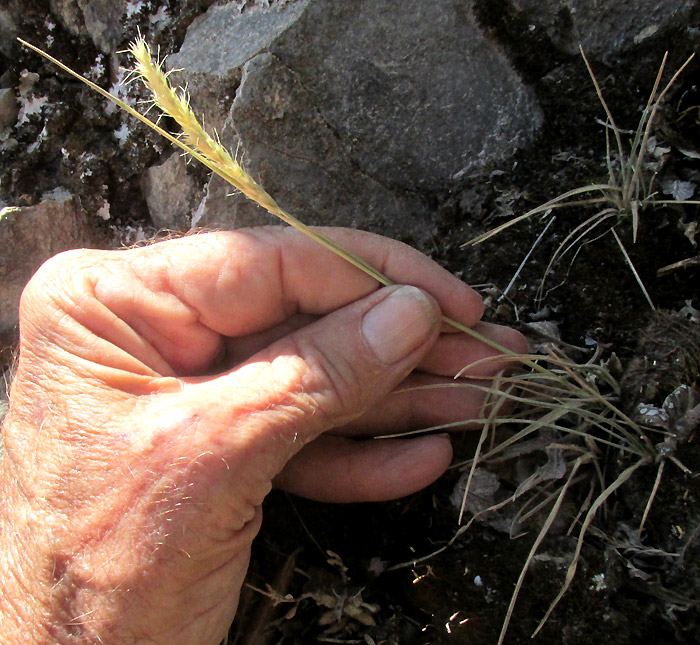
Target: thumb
x,y
357,355
333,370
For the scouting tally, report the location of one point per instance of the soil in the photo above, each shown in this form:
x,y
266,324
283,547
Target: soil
x,y
332,569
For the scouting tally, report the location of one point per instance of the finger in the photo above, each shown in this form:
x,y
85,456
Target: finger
x,y
426,398
180,294
424,401
335,469
451,354
465,354
323,375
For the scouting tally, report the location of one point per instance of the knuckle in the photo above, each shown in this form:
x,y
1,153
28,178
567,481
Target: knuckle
x,y
62,261
338,383
53,270
56,285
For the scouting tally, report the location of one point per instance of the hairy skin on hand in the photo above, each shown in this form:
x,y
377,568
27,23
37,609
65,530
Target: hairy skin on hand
x,y
161,392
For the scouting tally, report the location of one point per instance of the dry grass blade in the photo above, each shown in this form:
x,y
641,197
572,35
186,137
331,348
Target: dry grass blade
x,y
630,264
599,501
574,240
652,495
531,250
538,540
557,202
682,264
608,114
651,109
486,429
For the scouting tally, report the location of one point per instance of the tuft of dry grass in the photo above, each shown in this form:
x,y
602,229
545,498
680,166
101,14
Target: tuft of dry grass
x,y
629,190
570,412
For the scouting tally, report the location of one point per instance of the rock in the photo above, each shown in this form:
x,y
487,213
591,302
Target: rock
x,y
420,95
603,29
101,20
300,160
8,108
69,14
170,193
8,32
30,236
218,44
355,113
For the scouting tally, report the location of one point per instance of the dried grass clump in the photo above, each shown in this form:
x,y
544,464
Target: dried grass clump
x,y
630,188
569,411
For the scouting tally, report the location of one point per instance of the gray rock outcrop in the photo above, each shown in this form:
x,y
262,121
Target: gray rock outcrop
x,y
98,19
351,113
602,28
170,193
30,236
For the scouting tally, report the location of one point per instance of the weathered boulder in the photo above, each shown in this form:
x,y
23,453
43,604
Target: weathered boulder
x,y
101,20
170,193
301,161
8,108
355,113
602,28
30,236
419,95
217,46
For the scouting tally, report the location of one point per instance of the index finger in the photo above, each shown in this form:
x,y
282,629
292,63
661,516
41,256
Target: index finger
x,y
169,305
245,281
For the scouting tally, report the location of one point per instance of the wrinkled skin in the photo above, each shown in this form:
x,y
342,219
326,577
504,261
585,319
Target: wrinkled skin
x,y
161,392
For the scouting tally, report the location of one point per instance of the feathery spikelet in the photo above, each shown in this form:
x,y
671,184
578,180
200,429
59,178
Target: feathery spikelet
x,y
175,104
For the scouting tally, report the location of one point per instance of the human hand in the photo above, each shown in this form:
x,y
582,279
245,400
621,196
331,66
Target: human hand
x,y
160,393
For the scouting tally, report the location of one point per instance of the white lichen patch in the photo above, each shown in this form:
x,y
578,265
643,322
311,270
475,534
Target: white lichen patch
x,y
103,211
58,194
121,134
29,104
98,69
160,18
133,8
50,26
39,140
598,582
119,89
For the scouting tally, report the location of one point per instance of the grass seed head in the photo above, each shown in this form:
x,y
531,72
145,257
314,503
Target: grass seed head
x,y
175,104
